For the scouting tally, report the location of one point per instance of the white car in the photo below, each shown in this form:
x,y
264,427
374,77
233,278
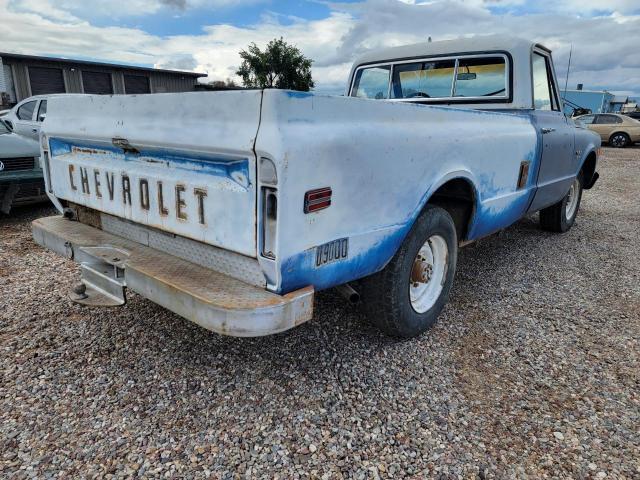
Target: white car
x,y
26,117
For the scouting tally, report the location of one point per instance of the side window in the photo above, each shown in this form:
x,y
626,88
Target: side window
x,y
42,111
608,119
586,119
25,112
372,82
543,94
423,79
481,77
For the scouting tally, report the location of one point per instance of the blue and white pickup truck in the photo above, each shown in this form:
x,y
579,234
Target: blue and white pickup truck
x,y
233,208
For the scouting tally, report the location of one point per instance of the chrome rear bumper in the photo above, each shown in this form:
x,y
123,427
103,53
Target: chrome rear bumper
x,y
215,301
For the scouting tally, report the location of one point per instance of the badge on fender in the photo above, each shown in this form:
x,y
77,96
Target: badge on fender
x,y
332,251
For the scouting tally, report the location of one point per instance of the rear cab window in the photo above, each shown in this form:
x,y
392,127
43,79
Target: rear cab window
x,y
423,79
463,78
481,77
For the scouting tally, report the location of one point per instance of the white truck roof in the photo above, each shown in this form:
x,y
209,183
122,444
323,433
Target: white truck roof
x,y
518,49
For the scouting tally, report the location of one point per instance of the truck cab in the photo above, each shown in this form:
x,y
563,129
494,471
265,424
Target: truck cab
x,y
485,73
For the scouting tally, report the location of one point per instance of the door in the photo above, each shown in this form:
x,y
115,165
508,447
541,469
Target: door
x,y
588,121
558,162
136,84
45,80
25,123
98,83
605,125
16,152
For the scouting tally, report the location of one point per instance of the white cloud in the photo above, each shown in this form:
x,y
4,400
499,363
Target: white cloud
x,y
119,8
584,7
605,52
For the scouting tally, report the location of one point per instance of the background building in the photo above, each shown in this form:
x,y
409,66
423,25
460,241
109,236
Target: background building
x,y
594,100
598,101
618,103
22,76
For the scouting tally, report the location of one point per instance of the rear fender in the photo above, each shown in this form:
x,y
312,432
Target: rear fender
x,y
465,175
382,245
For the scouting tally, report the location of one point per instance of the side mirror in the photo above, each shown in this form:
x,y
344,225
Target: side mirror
x,y
42,117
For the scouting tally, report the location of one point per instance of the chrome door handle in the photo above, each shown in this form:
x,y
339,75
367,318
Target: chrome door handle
x,y
34,130
547,130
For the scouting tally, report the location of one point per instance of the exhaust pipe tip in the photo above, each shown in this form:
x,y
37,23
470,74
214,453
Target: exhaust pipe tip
x,y
349,293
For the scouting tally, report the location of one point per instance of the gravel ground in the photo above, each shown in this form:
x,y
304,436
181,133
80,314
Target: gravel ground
x,y
532,371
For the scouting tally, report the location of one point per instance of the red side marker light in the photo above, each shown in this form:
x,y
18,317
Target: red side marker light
x,y
318,199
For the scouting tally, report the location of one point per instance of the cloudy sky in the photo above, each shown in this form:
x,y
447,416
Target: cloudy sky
x,y
206,35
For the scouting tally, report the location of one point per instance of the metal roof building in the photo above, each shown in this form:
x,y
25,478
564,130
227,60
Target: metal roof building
x,y
598,101
22,76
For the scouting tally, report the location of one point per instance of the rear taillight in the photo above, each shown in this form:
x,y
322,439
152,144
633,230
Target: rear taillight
x,y
269,221
44,143
318,199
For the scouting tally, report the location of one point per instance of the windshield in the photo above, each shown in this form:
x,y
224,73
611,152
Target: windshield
x,y
481,77
423,80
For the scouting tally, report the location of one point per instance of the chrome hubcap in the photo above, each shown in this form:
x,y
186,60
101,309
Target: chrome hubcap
x,y
572,200
428,274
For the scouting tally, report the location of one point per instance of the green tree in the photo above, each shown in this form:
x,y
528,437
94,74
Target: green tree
x,y
221,84
280,65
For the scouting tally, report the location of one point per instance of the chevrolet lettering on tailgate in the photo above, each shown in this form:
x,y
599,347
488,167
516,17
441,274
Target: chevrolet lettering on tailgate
x,y
92,183
186,194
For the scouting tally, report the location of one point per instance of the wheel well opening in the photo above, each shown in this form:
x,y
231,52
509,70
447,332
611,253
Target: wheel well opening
x,y
588,168
456,197
625,134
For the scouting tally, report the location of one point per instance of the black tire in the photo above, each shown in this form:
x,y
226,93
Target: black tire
x,y
619,140
554,218
385,294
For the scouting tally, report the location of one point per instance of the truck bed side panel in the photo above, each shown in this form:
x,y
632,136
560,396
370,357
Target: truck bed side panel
x,y
383,161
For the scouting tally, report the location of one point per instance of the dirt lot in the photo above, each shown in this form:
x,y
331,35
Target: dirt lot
x,y
532,371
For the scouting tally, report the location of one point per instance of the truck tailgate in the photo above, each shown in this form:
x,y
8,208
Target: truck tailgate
x,y
183,163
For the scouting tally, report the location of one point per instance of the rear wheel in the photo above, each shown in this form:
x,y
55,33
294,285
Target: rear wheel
x,y
406,297
619,140
561,216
